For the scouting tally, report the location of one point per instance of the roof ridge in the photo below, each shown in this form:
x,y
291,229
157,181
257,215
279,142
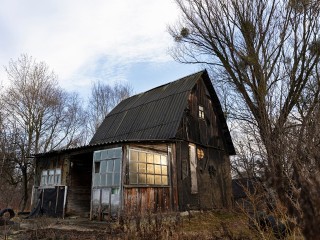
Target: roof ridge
x,y
157,99
202,71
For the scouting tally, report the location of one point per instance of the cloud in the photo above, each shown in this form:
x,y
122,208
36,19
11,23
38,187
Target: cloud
x,y
85,40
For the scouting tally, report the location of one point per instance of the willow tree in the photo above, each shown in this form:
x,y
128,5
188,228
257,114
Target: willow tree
x,y
39,116
266,54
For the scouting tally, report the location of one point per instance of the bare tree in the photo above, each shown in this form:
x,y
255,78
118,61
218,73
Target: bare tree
x,y
103,99
267,53
40,116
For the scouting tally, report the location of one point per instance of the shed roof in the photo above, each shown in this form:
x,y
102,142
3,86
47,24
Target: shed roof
x,y
156,114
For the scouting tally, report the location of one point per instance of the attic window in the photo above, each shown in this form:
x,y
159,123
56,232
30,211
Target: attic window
x,y
201,112
148,168
200,153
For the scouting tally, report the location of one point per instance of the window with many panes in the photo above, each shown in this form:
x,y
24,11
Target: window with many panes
x,y
148,168
51,177
107,167
108,173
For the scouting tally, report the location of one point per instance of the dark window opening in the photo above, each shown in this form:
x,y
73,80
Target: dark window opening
x,y
97,167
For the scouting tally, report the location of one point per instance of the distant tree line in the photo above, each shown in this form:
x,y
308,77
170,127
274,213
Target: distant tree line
x,y
37,115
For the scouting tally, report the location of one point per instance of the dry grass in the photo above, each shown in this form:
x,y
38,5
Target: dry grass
x,y
193,225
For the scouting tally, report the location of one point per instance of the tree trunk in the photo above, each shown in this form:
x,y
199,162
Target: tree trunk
x,y
24,188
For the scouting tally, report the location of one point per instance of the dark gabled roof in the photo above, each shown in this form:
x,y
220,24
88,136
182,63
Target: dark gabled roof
x,y
156,114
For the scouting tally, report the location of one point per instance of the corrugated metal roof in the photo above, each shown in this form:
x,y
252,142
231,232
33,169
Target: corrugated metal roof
x,y
155,114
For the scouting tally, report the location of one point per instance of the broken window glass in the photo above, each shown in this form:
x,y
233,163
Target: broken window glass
x,y
96,167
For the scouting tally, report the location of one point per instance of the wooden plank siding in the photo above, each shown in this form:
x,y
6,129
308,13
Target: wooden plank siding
x,y
143,200
79,185
213,171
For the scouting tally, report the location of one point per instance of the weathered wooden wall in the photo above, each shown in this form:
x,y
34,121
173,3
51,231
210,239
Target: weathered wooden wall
x,y
79,185
144,199
213,171
205,132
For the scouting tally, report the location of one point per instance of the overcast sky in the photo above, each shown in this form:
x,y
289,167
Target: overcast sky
x,y
87,40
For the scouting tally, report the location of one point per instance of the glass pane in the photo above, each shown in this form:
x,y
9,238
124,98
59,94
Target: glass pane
x,y
142,168
97,156
117,165
133,167
51,172
164,170
164,180
44,172
96,180
142,179
105,196
43,180
110,166
96,196
133,156
157,169
157,159
133,178
58,171
96,167
57,180
118,153
50,181
110,153
104,154
103,166
149,158
164,160
103,180
150,179
142,157
116,179
109,179
150,168
157,180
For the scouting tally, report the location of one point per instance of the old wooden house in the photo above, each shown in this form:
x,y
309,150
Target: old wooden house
x,y
166,149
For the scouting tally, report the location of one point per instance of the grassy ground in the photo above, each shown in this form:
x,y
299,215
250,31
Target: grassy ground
x,y
192,225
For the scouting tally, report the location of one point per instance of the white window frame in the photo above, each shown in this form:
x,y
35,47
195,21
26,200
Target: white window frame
x,y
201,112
51,177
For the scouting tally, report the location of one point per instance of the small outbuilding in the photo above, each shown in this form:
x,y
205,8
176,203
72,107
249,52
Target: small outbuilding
x,y
166,149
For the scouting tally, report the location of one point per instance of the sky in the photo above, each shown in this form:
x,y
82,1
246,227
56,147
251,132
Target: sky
x,y
83,41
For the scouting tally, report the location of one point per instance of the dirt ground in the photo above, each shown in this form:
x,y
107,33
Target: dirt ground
x,y
192,225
